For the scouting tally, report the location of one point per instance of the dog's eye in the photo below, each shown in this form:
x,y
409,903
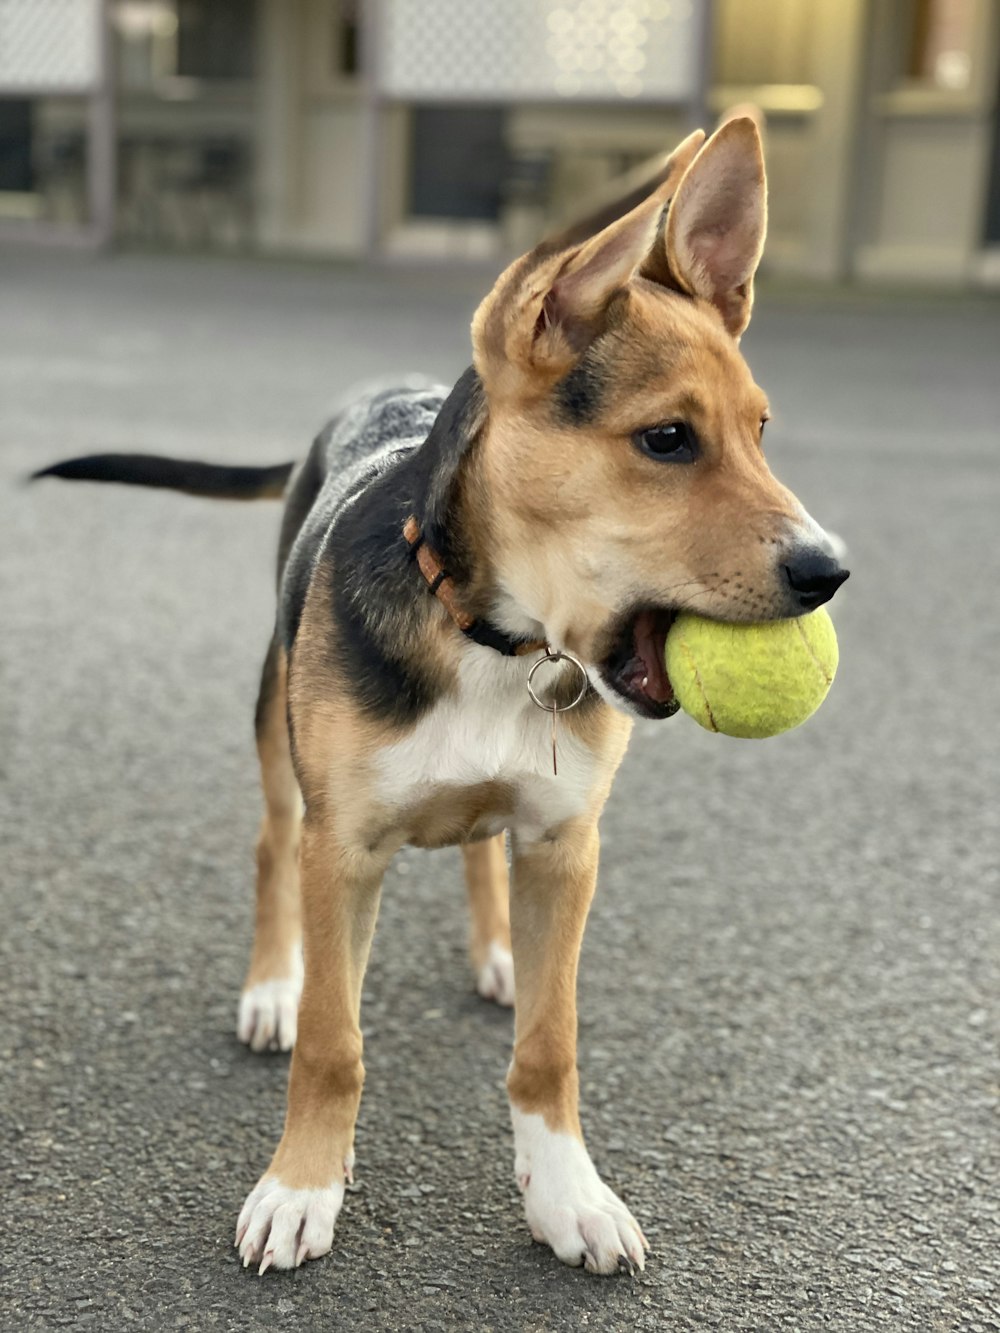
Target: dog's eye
x,y
674,442
763,423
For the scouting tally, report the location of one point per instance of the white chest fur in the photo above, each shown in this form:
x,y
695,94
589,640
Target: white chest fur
x,y
489,731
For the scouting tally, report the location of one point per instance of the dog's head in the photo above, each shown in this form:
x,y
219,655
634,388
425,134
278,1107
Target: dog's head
x,y
622,455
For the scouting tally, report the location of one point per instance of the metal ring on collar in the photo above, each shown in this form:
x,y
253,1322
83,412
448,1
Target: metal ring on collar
x,y
559,657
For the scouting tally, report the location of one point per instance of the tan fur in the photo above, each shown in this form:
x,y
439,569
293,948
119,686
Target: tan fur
x,y
577,523
340,896
341,880
534,271
347,840
562,517
575,529
551,891
552,886
278,922
486,879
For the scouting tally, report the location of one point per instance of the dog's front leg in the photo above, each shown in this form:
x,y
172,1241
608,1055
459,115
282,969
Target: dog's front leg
x,y
290,1214
568,1206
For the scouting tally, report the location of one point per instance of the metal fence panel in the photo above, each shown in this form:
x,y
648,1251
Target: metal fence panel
x,y
507,50
49,45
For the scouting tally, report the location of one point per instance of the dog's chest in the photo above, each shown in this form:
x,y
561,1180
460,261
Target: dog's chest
x,y
480,761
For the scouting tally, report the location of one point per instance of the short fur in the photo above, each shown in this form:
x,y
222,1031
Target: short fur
x,y
538,483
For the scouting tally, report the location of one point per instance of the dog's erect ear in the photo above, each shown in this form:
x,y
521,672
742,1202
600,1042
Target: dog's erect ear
x,y
715,229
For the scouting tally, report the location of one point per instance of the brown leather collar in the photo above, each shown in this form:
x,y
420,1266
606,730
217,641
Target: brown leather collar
x,y
442,585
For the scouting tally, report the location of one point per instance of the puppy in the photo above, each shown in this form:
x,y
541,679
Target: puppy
x,y
474,591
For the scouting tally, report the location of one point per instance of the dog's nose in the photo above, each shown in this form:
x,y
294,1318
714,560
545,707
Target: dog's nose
x,y
813,577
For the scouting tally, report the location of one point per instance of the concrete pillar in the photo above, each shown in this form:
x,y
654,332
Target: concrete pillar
x,y
277,164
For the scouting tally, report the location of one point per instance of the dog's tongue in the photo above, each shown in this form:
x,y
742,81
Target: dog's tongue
x,y
650,645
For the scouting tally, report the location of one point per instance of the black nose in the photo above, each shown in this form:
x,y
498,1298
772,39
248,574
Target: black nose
x,y
813,577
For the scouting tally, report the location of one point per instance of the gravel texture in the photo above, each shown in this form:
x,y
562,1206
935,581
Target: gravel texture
x,y
789,984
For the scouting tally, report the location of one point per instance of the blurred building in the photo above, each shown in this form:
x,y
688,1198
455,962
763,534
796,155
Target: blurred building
x,y
447,128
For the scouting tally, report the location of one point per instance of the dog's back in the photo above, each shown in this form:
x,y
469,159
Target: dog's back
x,y
373,430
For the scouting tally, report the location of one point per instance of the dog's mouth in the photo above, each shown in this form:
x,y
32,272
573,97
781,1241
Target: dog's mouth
x,y
635,669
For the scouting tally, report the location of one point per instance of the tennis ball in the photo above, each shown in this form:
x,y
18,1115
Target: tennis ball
x,y
751,680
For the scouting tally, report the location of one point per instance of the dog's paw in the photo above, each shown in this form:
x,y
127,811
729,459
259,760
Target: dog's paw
x,y
280,1227
495,976
568,1205
268,1014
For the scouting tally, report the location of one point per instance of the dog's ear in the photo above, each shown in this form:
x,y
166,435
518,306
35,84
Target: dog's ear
x,y
570,312
547,308
640,185
715,230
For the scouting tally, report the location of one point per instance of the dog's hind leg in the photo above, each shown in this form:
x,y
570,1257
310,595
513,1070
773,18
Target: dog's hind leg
x,y
489,939
270,998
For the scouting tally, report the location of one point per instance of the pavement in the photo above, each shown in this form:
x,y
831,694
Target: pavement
x,y
789,984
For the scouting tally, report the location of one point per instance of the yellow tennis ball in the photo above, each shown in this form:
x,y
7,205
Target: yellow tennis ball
x,y
751,680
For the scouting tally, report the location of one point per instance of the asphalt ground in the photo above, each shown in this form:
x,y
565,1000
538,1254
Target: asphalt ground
x,y
788,990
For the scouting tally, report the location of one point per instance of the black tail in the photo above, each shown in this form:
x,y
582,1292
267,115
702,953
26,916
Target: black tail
x,y
217,480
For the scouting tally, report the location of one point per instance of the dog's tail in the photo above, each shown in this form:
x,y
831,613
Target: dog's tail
x,y
218,481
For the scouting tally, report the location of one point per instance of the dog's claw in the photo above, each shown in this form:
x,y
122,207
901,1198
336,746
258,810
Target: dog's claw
x,y
287,1226
567,1204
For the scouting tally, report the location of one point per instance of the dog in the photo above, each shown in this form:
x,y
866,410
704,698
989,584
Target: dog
x,y
475,587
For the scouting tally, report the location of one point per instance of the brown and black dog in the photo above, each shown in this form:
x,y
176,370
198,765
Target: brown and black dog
x,y
598,468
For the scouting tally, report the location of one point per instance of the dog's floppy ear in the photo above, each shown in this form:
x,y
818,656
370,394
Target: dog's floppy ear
x,y
547,308
671,169
715,229
569,312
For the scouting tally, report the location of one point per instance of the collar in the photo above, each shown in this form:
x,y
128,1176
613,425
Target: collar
x,y
441,584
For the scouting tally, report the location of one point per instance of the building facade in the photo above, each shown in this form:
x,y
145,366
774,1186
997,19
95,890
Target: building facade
x,y
453,128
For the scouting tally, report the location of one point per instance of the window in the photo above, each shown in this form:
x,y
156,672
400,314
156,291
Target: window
x,y
941,43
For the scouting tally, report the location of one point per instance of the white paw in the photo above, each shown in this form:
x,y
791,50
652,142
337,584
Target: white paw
x,y
568,1205
280,1227
268,1014
495,980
